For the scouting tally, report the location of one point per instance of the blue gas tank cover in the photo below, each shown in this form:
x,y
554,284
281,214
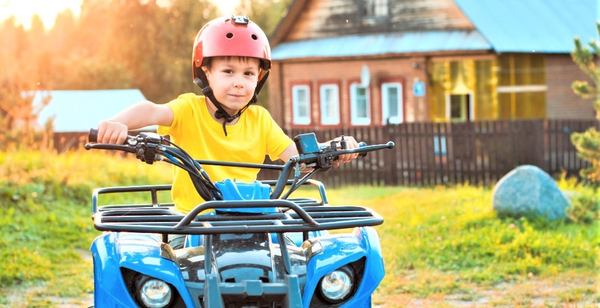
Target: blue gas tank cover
x,y
256,190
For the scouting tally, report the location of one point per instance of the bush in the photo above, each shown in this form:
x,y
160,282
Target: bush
x,y
585,208
588,143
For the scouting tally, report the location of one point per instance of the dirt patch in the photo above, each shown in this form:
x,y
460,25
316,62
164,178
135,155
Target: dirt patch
x,y
564,290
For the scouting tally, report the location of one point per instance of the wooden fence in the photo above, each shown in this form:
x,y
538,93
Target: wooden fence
x,y
451,153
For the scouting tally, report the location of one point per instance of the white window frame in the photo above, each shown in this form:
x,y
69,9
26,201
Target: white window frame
x,y
377,8
296,118
355,120
471,110
384,103
335,119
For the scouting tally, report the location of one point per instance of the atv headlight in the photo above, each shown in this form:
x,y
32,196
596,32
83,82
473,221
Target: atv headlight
x,y
337,286
155,293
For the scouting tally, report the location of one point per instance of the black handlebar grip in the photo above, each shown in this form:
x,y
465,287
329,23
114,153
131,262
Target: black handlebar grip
x,y
93,135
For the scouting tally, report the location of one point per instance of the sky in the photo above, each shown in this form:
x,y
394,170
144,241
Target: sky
x,y
23,10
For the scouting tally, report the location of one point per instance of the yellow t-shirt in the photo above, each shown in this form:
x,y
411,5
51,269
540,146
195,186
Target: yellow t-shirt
x,y
195,130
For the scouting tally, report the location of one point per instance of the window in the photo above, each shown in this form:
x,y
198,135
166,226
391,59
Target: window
x,y
330,104
376,7
359,105
301,104
522,87
459,108
391,101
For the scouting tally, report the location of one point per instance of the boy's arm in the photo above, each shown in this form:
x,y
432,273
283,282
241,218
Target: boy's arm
x,y
290,151
137,116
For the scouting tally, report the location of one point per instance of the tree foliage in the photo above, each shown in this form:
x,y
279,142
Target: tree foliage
x,y
112,44
588,142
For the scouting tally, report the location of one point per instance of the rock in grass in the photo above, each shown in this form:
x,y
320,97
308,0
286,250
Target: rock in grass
x,y
529,191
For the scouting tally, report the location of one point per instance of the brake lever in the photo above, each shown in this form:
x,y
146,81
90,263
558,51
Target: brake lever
x,y
104,146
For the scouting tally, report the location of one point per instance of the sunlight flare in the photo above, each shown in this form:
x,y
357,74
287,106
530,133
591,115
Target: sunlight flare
x,y
24,10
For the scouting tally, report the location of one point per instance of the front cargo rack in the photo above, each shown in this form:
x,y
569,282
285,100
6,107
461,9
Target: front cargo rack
x,y
294,215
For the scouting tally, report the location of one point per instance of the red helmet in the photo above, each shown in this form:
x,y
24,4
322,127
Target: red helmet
x,y
231,36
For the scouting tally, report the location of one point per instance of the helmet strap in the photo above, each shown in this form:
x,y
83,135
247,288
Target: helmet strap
x,y
207,91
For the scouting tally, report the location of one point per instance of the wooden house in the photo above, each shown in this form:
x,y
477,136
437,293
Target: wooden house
x,y
343,63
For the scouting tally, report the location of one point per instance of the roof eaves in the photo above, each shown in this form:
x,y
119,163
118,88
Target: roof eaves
x,y
443,53
287,21
382,44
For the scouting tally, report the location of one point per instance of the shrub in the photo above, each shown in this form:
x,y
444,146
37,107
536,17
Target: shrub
x,y
585,208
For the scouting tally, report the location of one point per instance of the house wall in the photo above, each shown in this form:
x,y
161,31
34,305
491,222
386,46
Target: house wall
x,y
327,18
404,70
561,102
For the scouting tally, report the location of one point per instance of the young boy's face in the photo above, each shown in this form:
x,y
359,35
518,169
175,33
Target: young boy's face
x,y
233,80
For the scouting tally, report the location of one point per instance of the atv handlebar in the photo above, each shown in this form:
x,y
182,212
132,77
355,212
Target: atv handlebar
x,y
151,147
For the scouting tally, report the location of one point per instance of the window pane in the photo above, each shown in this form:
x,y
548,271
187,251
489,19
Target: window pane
x,y
302,106
361,102
455,107
381,7
328,102
526,105
361,107
459,107
392,101
505,106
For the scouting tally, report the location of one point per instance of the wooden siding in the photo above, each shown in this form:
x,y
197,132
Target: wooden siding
x,y
406,69
328,18
561,102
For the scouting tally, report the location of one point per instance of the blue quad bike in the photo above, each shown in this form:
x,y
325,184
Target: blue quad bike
x,y
248,245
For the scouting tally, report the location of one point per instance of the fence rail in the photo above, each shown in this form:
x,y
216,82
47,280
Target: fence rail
x,y
452,153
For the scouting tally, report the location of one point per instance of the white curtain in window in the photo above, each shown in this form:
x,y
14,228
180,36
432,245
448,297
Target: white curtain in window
x,y
301,104
330,104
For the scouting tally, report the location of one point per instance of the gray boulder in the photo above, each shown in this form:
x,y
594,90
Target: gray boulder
x,y
529,191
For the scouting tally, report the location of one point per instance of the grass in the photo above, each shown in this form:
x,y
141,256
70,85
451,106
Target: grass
x,y
448,241
437,242
45,219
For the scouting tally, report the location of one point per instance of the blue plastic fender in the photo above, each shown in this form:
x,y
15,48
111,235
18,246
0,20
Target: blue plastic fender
x,y
374,268
339,250
138,252
109,287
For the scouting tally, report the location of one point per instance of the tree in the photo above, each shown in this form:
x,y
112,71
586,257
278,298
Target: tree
x,y
588,143
265,13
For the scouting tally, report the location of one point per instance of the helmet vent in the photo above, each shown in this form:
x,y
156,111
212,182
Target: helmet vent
x,y
254,37
229,35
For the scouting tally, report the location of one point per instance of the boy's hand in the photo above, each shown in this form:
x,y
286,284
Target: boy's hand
x,y
350,144
112,132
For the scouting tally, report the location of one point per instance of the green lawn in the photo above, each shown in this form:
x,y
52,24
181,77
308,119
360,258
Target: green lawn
x,y
443,241
441,245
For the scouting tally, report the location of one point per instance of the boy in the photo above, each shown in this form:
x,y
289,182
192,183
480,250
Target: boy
x,y
231,62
